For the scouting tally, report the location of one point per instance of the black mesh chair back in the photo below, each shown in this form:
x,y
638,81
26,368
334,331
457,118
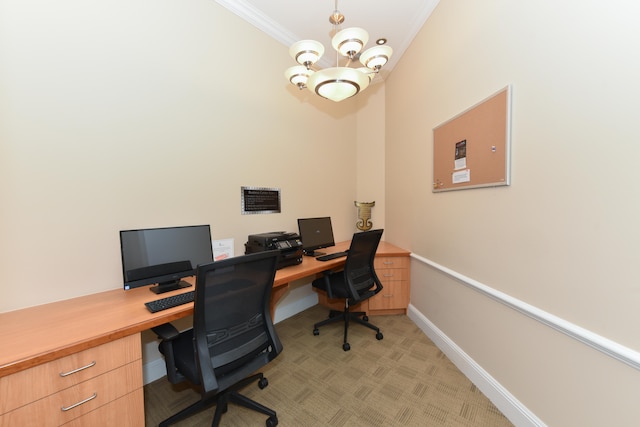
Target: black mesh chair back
x,y
232,335
232,324
359,274
356,283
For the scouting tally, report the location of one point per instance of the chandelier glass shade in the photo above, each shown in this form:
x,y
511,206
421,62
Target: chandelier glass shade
x,y
340,82
350,41
306,52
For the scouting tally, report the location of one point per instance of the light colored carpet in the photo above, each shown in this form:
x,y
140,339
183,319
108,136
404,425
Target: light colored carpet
x,y
401,380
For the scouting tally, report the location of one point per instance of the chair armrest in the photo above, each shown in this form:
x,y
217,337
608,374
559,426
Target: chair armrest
x,y
166,332
327,282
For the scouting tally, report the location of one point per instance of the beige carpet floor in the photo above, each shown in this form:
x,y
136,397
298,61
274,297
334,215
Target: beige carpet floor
x,y
401,380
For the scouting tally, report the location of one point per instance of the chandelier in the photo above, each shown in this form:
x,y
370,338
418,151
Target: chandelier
x,y
340,82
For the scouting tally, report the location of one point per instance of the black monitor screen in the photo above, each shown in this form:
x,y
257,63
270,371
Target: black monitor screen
x,y
163,255
315,233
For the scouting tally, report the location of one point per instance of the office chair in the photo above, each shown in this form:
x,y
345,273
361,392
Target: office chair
x,y
232,335
356,283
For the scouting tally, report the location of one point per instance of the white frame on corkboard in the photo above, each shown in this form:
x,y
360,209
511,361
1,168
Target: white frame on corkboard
x,y
473,149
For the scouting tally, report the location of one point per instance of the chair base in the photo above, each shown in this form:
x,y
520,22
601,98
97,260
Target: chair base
x,y
346,316
222,400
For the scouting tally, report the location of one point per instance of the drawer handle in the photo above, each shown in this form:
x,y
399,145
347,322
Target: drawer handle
x,y
387,296
387,275
387,262
66,374
68,408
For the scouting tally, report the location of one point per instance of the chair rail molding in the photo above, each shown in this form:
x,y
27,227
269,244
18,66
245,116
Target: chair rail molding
x,y
598,342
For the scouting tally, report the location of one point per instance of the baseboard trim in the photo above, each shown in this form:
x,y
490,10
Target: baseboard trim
x,y
291,309
593,340
153,370
511,407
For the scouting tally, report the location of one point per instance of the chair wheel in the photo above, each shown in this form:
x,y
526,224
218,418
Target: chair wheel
x,y
379,336
365,318
316,331
346,346
272,421
263,383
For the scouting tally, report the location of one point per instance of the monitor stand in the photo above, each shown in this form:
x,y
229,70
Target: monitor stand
x,y
163,287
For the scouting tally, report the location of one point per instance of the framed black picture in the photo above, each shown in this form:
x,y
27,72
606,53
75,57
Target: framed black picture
x,y
260,200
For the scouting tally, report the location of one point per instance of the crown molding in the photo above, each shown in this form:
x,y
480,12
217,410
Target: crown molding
x,y
255,17
258,19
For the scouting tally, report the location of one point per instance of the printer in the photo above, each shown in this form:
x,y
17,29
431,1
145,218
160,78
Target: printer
x,y
289,245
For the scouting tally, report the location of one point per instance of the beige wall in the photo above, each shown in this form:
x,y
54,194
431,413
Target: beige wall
x,y
370,159
564,236
128,114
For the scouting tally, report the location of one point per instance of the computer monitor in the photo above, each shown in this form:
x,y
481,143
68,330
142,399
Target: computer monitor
x,y
163,256
315,233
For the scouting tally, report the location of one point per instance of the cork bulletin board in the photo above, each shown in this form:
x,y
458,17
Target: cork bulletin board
x,y
472,149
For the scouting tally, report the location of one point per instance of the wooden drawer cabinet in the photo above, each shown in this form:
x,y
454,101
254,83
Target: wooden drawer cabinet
x,y
387,275
126,411
394,296
382,262
73,402
394,273
43,380
65,389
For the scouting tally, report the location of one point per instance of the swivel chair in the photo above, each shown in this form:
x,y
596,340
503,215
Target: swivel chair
x,y
356,283
232,335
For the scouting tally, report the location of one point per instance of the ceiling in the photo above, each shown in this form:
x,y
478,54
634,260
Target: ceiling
x,y
291,20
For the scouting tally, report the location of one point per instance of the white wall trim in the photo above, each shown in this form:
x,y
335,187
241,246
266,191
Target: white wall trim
x,y
295,307
247,11
511,407
593,340
153,370
258,19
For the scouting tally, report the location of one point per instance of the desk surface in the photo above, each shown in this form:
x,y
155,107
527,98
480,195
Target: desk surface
x,y
36,335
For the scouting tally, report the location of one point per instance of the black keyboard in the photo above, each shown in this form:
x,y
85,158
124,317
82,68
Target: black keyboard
x,y
334,255
169,302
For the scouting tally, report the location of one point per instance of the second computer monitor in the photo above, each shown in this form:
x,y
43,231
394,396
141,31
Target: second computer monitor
x,y
315,233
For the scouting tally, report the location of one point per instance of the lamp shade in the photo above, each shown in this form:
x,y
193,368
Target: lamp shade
x,y
298,75
338,83
350,41
375,57
306,52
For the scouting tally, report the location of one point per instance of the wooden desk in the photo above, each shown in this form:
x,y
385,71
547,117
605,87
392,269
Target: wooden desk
x,y
40,342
